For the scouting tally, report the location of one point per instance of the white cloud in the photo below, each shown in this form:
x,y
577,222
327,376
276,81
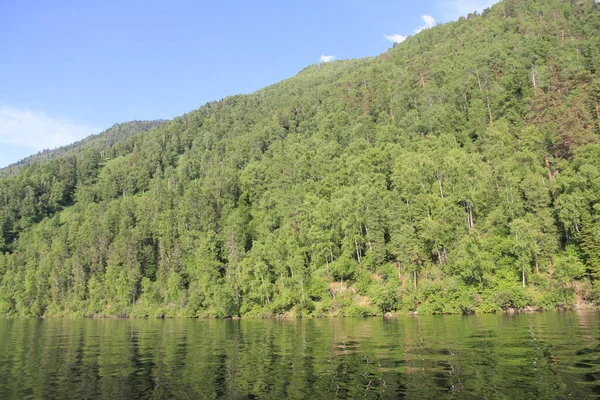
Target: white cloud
x,y
429,22
326,59
395,38
35,130
452,9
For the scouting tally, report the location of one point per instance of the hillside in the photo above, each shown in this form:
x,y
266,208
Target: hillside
x,y
457,172
101,142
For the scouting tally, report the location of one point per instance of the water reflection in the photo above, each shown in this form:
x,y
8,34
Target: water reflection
x,y
490,357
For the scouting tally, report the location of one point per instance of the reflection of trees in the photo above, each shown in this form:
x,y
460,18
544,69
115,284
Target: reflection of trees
x,y
519,356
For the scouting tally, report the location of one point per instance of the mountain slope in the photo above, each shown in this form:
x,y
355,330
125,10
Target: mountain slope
x,y
101,142
458,172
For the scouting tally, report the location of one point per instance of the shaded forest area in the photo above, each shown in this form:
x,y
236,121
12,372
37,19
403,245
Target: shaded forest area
x,y
458,172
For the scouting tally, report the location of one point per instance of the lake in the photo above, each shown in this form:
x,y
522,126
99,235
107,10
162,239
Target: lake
x,y
521,356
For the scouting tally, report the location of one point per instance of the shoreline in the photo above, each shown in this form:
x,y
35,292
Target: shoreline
x,y
291,316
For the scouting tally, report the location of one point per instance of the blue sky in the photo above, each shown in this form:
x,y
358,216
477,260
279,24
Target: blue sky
x,y
69,69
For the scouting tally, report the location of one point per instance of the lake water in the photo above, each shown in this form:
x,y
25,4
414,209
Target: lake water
x,y
526,356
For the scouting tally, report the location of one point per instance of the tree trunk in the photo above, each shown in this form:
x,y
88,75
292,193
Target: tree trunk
x,y
470,216
415,279
489,111
598,111
357,251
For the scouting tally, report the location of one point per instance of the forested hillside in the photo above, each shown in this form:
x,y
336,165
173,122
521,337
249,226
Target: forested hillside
x,y
458,172
101,142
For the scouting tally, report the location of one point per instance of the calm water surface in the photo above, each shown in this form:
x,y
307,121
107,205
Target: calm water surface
x,y
528,356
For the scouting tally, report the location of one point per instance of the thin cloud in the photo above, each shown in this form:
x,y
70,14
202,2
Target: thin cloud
x,y
428,22
326,59
37,130
452,9
395,38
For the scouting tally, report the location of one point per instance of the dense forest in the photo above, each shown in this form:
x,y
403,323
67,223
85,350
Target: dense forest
x,y
459,172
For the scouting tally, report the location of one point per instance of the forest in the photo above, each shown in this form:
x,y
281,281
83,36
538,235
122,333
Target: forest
x,y
459,172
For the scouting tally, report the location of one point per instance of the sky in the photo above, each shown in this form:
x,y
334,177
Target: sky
x,y
69,69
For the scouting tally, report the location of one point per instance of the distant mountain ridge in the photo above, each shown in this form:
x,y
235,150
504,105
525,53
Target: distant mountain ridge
x,y
103,140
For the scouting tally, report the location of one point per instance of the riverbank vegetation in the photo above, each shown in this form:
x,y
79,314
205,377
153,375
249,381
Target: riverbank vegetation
x,y
458,172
